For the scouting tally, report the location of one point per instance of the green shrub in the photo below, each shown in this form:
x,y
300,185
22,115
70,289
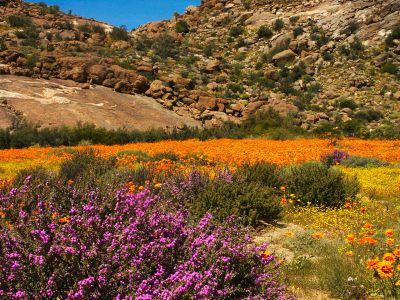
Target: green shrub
x,y
390,68
319,184
182,26
393,36
19,21
165,46
360,161
347,103
294,19
119,34
298,31
86,27
165,155
369,115
251,202
264,32
268,175
84,166
37,176
278,25
140,155
236,31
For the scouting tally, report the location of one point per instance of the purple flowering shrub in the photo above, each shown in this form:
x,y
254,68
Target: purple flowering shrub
x,y
335,157
129,246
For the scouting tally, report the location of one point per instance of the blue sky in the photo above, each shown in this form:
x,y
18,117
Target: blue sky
x,y
131,13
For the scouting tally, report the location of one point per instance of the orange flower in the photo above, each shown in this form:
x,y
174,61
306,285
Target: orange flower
x,y
350,238
363,210
318,235
389,257
64,220
289,233
389,232
385,269
367,240
283,201
390,242
283,189
396,252
54,215
347,205
70,182
372,264
2,214
266,254
349,253
368,226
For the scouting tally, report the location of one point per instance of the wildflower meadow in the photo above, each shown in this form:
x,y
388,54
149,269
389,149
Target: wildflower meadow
x,y
217,219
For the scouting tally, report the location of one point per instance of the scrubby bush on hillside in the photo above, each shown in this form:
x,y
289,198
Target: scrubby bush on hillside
x,y
236,31
119,34
264,32
182,26
395,34
319,184
278,25
19,21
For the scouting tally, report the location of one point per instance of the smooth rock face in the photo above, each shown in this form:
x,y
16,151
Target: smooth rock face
x,y
59,102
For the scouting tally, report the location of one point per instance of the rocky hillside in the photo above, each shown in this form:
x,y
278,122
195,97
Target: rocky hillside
x,y
323,63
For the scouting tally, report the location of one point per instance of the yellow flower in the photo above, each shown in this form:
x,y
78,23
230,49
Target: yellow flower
x,y
389,257
385,269
350,238
389,232
289,233
397,283
157,185
372,263
390,242
283,189
318,235
349,253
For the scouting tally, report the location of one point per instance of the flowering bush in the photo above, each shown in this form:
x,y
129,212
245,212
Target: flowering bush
x,y
335,157
131,246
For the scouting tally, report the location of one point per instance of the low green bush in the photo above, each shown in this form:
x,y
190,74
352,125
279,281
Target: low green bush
x,y
85,166
264,32
35,176
278,25
236,31
319,184
19,21
119,34
360,161
269,175
182,26
251,202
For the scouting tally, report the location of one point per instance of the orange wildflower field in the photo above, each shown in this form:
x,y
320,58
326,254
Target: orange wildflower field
x,y
228,151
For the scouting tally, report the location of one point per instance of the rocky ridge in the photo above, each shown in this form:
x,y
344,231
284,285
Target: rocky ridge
x,y
319,61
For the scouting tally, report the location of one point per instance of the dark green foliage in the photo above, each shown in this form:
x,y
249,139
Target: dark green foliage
x,y
319,184
347,103
85,165
264,32
251,202
235,88
120,34
294,19
165,46
351,28
359,161
39,175
354,50
32,60
278,25
209,49
393,36
19,21
268,175
99,29
298,31
86,27
319,36
182,26
390,68
352,127
369,115
236,31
